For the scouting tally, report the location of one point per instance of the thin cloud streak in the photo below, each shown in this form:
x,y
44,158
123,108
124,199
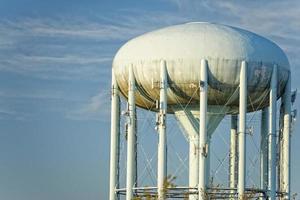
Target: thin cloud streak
x,y
11,114
97,108
82,63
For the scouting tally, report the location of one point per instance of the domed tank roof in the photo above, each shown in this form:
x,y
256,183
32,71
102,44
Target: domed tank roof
x,y
183,46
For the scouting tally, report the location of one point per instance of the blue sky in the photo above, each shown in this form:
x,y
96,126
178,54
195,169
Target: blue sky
x,y
55,62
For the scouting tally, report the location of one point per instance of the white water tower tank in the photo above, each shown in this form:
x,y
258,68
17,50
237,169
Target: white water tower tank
x,y
183,46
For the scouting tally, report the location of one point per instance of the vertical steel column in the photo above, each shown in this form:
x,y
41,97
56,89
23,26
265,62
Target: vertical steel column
x,y
264,149
207,170
233,153
279,169
131,137
162,143
193,164
272,135
203,151
242,129
114,138
286,140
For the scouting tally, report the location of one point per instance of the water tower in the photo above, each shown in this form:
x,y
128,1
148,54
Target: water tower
x,y
214,71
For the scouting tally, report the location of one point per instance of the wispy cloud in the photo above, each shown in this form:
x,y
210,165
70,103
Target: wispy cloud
x,y
7,112
47,49
114,27
69,48
60,27
96,108
31,103
67,67
11,114
66,59
265,17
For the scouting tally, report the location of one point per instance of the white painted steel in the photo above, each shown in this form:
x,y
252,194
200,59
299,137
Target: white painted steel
x,y
242,130
131,137
190,125
188,122
162,143
207,167
183,46
233,153
203,151
272,136
264,130
193,165
286,140
188,119
114,139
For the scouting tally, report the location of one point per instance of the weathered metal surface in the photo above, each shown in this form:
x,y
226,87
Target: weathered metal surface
x,y
183,46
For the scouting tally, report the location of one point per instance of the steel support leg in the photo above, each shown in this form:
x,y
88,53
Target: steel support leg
x,y
233,154
193,164
208,158
162,144
264,150
114,139
131,137
286,140
242,130
203,151
272,135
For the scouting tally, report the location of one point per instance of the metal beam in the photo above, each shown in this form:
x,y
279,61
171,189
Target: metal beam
x,y
208,158
162,144
114,138
242,130
286,140
272,136
233,153
193,164
131,137
264,149
203,151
